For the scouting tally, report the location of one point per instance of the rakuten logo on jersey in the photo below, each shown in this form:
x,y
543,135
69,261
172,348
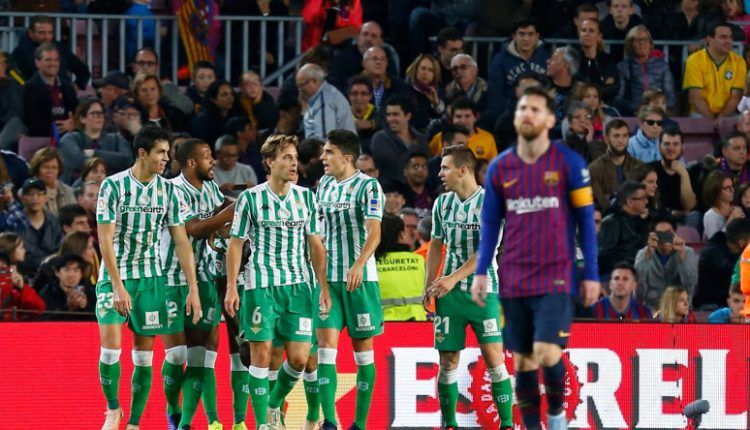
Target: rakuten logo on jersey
x,y
526,205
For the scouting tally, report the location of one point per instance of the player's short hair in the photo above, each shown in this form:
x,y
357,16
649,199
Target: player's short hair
x,y
68,214
463,103
615,124
45,47
628,189
187,149
40,19
406,104
462,156
451,130
624,265
148,136
738,229
538,92
203,65
346,141
275,144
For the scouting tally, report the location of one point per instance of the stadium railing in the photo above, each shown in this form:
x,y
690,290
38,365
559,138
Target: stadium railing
x,y
100,40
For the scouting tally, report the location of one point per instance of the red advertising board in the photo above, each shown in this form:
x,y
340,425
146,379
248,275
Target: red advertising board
x,y
627,376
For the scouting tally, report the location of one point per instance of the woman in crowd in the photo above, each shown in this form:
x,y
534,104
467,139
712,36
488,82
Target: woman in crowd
x,y
76,243
718,193
423,77
597,67
646,174
94,169
674,306
147,92
257,102
218,110
734,11
11,244
581,134
89,140
642,69
743,198
47,165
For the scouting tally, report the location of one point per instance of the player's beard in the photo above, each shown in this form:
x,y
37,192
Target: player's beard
x,y
530,132
204,176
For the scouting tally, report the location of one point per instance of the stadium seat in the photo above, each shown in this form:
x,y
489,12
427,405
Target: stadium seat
x,y
726,125
699,137
27,146
691,236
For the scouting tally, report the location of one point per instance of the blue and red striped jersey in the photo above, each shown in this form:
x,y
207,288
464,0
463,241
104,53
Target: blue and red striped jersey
x,y
541,203
603,310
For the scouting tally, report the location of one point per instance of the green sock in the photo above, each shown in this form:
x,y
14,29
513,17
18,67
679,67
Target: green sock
x,y
240,388
310,381
109,377
172,376
288,378
327,382
448,395
209,394
502,393
259,393
365,385
140,387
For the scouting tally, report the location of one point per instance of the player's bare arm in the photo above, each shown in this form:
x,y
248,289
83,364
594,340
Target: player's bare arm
x,y
354,276
185,256
122,301
318,257
444,284
234,257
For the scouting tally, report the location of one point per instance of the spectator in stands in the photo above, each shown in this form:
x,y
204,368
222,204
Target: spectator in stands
x,y
42,31
289,123
243,129
734,162
289,92
453,135
580,135
524,53
11,244
504,130
348,60
464,113
401,273
644,145
47,165
218,109
674,306
48,100
330,21
618,23
596,67
734,11
609,171
687,23
562,67
11,105
42,234
374,68
310,166
147,61
676,194
326,108
12,217
256,101
202,76
643,68
73,218
423,79
147,92
228,172
570,30
75,243
68,294
390,146
395,192
110,88
658,99
421,194
621,303
127,118
665,260
715,76
146,27
410,217
730,313
718,193
646,175
90,140
16,295
450,43
86,196
625,230
366,164
466,82
359,92
716,262
600,112
743,198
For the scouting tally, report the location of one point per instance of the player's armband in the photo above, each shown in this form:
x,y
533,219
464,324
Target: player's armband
x,y
582,197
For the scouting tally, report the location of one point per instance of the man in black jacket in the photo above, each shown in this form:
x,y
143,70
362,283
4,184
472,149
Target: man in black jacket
x,y
625,231
42,30
716,264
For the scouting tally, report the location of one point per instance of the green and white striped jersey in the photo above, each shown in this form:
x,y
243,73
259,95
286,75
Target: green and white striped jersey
x,y
456,222
139,212
343,208
277,227
201,204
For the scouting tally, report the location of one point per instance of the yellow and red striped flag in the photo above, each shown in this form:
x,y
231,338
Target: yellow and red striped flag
x,y
199,29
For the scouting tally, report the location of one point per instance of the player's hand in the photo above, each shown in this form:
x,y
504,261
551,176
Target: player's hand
x,y
590,292
232,300
427,302
442,286
479,290
193,307
122,300
324,301
354,277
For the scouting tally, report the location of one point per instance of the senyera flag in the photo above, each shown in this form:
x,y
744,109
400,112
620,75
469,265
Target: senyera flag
x,y
199,29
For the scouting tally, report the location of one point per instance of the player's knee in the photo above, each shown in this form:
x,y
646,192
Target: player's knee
x,y
327,355
447,377
142,358
498,373
196,356
364,358
448,360
296,361
210,360
547,354
293,369
236,363
109,356
176,355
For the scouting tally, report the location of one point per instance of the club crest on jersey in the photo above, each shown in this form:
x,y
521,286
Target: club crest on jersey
x,y
255,329
283,214
461,216
144,199
439,337
551,177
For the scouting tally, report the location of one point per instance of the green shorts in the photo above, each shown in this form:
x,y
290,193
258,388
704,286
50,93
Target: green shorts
x,y
455,311
209,305
149,312
283,313
176,298
278,343
360,310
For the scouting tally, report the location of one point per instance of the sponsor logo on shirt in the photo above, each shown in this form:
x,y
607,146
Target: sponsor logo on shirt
x,y
364,323
490,327
305,327
585,175
524,205
336,205
142,209
152,320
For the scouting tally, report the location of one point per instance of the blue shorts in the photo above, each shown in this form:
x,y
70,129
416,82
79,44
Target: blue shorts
x,y
545,318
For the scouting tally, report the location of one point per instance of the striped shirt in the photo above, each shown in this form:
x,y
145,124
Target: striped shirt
x,y
277,228
541,203
343,208
201,204
139,212
456,223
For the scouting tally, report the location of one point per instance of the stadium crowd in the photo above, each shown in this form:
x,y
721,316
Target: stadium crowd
x,y
671,228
